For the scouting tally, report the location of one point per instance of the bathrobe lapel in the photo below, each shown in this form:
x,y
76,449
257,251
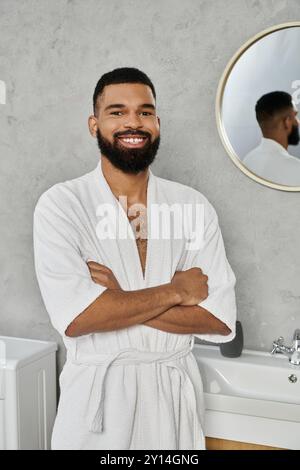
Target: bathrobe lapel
x,y
121,252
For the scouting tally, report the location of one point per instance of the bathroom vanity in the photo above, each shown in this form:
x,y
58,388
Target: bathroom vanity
x,y
27,393
251,401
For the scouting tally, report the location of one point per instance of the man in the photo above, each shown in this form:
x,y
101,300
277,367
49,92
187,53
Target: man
x,y
128,307
276,116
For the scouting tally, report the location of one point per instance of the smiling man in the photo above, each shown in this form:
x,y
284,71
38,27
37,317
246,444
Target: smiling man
x,y
128,307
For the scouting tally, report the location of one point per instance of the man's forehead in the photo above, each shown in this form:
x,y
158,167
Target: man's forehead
x,y
123,92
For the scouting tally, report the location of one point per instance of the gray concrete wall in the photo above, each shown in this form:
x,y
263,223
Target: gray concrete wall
x,y
51,56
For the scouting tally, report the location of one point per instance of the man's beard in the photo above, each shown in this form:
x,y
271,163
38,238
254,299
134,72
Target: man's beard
x,y
129,160
294,138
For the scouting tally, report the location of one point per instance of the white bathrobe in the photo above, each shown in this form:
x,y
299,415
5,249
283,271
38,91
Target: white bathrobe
x,y
136,387
270,160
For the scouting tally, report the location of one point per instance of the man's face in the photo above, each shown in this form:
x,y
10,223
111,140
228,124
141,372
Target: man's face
x,y
294,137
127,126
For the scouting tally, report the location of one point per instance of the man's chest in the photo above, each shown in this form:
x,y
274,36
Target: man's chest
x,y
154,252
139,226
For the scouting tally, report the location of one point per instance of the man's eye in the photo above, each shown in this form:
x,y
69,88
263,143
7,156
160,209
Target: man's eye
x,y
118,113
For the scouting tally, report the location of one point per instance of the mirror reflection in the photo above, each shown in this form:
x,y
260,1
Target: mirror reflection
x,y
258,107
276,117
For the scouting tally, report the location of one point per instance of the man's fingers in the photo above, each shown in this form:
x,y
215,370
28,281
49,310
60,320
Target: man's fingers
x,y
93,264
97,266
100,278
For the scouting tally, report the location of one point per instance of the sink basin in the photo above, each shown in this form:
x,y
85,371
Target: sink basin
x,y
253,398
254,374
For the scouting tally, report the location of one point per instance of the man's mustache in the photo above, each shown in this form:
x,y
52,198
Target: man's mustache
x,y
130,132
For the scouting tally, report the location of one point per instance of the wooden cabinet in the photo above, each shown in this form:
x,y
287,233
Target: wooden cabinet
x,y
222,444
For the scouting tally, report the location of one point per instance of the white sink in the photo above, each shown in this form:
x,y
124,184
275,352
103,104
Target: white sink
x,y
254,374
252,398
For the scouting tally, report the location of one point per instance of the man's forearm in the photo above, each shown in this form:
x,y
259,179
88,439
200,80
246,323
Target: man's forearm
x,y
116,309
188,319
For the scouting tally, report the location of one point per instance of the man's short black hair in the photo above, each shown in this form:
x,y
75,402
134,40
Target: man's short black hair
x,y
121,75
270,104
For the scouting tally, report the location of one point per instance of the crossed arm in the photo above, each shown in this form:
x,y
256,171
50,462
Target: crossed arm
x,y
186,319
157,307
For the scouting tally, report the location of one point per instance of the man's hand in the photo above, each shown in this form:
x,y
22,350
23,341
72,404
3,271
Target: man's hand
x,y
192,286
103,275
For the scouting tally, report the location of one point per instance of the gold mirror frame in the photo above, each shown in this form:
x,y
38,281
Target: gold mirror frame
x,y
219,103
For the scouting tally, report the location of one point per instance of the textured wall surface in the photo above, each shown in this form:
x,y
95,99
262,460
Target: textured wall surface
x,y
51,56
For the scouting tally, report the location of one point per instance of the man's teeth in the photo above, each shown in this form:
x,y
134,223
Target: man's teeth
x,y
133,141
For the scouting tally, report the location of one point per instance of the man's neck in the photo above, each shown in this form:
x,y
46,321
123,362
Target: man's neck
x,y
282,140
133,186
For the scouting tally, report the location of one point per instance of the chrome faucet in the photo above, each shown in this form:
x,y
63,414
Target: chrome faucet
x,y
292,352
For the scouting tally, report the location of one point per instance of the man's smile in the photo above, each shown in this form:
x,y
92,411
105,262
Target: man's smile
x,y
133,141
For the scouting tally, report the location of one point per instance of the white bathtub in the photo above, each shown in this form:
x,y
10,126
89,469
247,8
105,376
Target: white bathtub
x,y
254,398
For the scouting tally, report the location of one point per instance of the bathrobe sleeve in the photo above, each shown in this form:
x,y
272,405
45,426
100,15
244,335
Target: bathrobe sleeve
x,y
63,276
211,258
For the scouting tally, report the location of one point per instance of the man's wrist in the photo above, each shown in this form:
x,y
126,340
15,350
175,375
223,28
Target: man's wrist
x,y
175,294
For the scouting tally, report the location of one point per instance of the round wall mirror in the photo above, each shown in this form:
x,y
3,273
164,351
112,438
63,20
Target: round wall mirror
x,y
257,107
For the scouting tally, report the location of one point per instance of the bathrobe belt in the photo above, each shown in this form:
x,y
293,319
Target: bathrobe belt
x,y
131,356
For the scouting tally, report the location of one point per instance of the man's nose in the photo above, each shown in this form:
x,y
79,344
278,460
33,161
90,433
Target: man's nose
x,y
133,120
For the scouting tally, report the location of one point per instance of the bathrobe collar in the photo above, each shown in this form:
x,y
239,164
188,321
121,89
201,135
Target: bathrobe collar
x,y
127,248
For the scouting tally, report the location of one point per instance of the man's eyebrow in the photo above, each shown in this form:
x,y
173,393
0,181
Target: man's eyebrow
x,y
119,105
147,105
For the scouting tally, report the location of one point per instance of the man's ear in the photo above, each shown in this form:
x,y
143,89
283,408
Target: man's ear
x,y
287,123
158,118
93,126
